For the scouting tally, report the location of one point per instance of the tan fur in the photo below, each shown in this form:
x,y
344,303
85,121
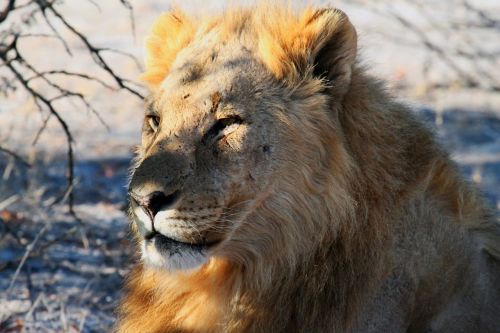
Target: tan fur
x,y
336,209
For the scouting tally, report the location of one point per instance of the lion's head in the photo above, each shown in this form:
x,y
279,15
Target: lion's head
x,y
241,125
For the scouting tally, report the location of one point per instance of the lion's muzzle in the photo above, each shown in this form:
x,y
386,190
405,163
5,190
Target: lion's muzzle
x,y
170,237
151,204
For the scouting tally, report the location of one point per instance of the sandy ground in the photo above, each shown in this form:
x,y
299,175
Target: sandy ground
x,y
60,275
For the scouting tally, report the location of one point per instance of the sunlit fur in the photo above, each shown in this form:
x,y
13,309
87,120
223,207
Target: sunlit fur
x,y
169,35
367,227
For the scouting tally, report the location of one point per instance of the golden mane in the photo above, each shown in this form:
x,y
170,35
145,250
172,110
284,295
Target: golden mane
x,y
170,33
286,38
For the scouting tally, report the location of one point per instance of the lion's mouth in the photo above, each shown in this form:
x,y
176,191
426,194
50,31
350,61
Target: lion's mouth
x,y
167,245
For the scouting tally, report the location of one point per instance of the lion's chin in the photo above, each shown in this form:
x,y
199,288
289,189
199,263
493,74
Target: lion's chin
x,y
165,253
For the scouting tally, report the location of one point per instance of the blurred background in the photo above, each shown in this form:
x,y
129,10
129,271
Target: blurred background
x,y
71,113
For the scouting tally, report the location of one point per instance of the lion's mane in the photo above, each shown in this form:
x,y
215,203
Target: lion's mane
x,y
336,228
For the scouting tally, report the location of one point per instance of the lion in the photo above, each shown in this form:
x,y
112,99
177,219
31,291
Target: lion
x,y
280,188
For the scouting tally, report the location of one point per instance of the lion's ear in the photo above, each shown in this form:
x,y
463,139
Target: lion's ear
x,y
322,40
334,51
171,32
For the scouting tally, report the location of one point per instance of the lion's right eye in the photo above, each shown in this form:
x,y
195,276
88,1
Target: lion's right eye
x,y
153,122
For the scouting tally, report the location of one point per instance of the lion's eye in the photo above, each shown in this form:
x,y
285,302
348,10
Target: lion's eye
x,y
153,122
222,125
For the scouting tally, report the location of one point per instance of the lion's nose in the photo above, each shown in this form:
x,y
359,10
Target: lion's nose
x,y
155,201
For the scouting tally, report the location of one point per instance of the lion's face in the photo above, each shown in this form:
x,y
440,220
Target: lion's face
x,y
237,130
208,155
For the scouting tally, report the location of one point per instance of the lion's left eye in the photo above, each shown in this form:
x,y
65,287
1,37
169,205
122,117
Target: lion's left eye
x,y
154,122
222,125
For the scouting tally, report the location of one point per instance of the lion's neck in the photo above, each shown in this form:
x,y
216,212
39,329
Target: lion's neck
x,y
221,297
168,302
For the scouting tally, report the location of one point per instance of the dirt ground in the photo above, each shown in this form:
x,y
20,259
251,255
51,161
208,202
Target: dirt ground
x,y
62,275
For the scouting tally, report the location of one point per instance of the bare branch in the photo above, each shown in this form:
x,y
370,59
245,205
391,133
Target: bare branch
x,y
57,34
15,155
24,73
128,5
29,248
486,20
462,61
69,137
125,54
95,52
6,11
73,74
41,129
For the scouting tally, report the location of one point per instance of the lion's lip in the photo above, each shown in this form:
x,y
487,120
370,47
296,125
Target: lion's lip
x,y
167,244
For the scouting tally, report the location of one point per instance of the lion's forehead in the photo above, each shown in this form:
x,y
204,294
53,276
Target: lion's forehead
x,y
204,68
